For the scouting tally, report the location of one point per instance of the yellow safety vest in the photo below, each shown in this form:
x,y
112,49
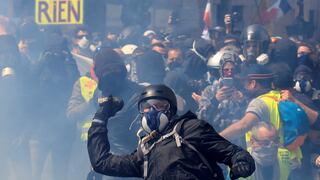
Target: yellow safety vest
x,y
87,86
285,157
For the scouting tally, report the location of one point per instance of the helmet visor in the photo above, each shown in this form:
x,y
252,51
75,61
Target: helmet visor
x,y
252,48
157,104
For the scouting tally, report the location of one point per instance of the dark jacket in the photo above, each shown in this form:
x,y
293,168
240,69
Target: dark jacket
x,y
124,125
166,160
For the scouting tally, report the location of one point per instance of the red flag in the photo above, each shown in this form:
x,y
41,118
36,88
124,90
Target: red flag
x,y
207,21
277,10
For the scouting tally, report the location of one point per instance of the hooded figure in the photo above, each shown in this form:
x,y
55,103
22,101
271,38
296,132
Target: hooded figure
x,y
195,64
191,76
223,112
201,50
56,72
112,79
151,68
30,41
14,119
285,50
304,84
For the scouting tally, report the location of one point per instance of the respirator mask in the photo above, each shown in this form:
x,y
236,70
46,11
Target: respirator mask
x,y
155,114
302,84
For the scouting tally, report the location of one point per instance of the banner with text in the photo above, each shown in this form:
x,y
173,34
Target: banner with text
x,y
59,12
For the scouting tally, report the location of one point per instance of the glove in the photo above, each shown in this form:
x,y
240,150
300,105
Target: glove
x,y
108,107
241,169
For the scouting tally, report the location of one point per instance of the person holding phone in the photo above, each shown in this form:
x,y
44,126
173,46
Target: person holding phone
x,y
221,103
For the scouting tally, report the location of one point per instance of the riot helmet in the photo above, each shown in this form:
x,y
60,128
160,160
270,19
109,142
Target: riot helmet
x,y
159,91
157,103
256,40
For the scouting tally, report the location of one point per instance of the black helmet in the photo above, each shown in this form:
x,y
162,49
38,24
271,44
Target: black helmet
x,y
159,91
257,34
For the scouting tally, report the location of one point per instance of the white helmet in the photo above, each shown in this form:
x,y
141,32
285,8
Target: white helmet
x,y
148,33
128,49
214,60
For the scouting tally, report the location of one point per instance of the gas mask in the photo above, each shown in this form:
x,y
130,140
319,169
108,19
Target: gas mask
x,y
303,85
252,53
83,42
154,115
154,120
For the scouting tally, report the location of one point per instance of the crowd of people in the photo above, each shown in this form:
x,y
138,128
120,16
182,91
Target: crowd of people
x,y
241,83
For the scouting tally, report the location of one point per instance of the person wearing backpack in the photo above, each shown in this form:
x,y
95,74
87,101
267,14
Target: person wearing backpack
x,y
170,146
258,84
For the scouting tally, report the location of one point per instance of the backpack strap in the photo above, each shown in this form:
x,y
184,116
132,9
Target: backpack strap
x,y
145,148
180,140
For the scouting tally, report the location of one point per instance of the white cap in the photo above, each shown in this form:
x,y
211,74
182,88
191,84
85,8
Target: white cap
x,y
214,60
149,32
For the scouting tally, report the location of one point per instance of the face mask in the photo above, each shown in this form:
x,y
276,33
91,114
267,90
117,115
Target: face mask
x,y
303,86
154,120
265,156
83,43
250,59
173,65
251,52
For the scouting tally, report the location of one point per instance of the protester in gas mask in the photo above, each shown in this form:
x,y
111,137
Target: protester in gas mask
x,y
264,150
304,83
303,79
256,42
82,42
170,146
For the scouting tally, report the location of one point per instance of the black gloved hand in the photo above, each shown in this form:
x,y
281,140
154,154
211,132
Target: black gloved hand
x,y
241,169
108,107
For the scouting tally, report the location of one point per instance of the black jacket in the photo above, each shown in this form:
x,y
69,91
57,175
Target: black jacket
x,y
166,160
